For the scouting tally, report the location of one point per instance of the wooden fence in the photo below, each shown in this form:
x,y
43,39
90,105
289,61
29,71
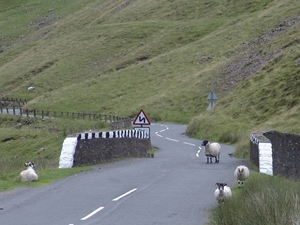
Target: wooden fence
x,y
12,106
12,102
115,120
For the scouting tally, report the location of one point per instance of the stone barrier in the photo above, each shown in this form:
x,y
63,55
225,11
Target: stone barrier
x,y
95,147
276,153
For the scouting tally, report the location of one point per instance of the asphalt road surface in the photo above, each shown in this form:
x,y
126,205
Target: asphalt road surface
x,y
175,187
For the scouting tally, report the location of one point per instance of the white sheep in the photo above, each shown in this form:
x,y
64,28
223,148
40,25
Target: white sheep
x,y
212,150
223,192
29,174
30,88
241,173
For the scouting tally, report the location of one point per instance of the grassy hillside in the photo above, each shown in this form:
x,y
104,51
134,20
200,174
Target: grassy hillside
x,y
116,57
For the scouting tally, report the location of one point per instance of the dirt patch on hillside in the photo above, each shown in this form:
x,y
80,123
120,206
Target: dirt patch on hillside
x,y
251,58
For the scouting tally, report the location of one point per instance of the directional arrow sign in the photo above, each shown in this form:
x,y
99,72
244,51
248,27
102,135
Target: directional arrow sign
x,y
141,119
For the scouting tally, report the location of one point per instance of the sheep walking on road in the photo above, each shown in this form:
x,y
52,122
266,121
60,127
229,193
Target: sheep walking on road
x,y
29,174
223,192
241,173
212,150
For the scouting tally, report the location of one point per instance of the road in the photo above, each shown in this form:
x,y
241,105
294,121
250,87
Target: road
x,y
174,187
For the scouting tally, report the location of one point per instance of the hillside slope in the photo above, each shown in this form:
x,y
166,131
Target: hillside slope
x,y
116,57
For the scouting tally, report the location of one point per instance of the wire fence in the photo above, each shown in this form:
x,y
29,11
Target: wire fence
x,y
116,121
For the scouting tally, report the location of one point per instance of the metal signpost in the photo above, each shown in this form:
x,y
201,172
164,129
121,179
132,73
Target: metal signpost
x,y
211,97
142,119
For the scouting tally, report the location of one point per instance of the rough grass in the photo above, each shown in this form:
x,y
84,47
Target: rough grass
x,y
116,57
18,146
263,200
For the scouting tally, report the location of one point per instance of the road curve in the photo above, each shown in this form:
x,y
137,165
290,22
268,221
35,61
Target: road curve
x,y
174,187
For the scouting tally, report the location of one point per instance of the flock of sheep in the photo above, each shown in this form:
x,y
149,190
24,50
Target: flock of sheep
x,y
241,173
212,150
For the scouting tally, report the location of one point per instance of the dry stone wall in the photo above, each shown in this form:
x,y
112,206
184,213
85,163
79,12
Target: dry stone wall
x,y
285,152
95,147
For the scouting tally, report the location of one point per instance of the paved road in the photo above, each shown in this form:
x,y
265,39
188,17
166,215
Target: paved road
x,y
174,187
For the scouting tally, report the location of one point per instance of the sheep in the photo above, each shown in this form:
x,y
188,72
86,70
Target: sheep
x,y
241,173
30,88
212,150
29,174
222,193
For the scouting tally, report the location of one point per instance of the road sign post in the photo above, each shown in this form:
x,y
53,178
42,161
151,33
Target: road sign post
x,y
211,97
142,119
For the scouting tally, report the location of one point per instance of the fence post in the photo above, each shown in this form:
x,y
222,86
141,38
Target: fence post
x,y
21,113
34,113
7,111
14,111
1,109
27,113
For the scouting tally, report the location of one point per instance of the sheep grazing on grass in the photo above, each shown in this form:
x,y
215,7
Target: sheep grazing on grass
x,y
29,174
222,193
241,173
30,88
212,150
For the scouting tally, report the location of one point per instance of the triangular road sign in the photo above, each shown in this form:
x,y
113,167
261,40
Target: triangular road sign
x,y
141,119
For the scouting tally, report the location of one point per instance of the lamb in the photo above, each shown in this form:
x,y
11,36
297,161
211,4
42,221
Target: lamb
x,y
241,173
212,150
223,192
29,174
30,88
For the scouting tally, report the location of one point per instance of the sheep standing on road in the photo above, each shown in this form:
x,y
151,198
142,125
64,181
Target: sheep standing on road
x,y
222,193
212,150
241,173
29,174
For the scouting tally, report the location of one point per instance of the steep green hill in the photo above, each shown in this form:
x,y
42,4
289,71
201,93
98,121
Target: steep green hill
x,y
164,56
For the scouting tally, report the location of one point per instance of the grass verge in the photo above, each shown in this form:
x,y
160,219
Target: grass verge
x,y
263,200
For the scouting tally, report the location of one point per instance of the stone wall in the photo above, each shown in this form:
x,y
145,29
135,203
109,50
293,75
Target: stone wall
x,y
95,147
285,155
93,151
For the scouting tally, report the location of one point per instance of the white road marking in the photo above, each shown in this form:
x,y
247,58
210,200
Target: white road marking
x,y
158,134
127,193
189,143
162,130
92,213
170,139
197,154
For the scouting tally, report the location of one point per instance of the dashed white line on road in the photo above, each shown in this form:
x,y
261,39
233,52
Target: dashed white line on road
x,y
92,213
127,193
170,139
197,154
158,134
187,143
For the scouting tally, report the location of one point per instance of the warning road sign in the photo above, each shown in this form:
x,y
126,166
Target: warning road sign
x,y
141,119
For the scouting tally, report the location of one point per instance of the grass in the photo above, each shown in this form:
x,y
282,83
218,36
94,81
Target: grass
x,y
21,145
115,58
263,200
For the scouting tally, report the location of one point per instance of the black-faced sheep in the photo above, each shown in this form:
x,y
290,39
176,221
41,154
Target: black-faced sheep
x,y
222,193
29,174
212,150
241,173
